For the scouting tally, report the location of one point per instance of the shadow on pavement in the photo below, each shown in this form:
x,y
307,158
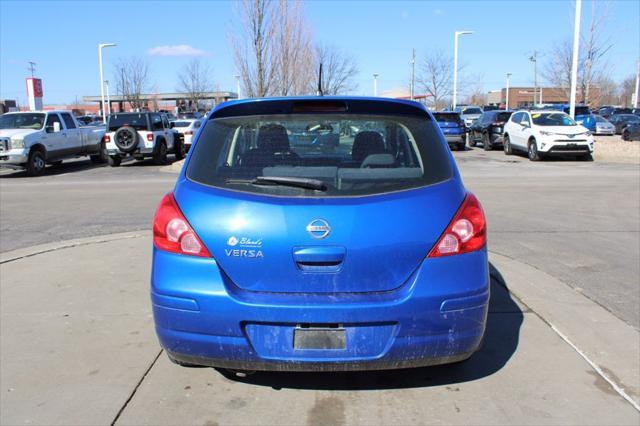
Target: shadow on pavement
x,y
53,170
501,341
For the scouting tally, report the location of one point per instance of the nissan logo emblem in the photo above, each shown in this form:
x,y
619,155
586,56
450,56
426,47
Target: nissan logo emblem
x,y
318,228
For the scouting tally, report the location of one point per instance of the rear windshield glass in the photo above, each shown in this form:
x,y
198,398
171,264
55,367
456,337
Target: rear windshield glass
x,y
348,155
472,111
503,116
181,123
137,121
442,117
552,119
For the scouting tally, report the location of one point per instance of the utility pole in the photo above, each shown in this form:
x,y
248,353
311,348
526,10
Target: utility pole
x,y
32,67
506,104
574,59
413,73
237,76
534,58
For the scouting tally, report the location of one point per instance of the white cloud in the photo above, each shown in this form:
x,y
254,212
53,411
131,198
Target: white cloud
x,y
176,50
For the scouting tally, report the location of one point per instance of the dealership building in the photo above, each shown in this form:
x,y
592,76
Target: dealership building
x,y
157,101
524,96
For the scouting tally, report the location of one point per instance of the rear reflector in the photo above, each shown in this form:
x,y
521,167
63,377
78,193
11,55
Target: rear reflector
x,y
467,231
172,232
106,138
150,137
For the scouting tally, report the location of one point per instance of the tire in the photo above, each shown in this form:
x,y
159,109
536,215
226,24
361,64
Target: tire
x,y
532,151
471,140
36,162
587,157
506,146
486,142
625,136
114,160
461,146
179,149
102,157
160,153
126,139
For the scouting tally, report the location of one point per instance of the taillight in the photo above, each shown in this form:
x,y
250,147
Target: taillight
x,y
467,231
106,138
150,137
172,232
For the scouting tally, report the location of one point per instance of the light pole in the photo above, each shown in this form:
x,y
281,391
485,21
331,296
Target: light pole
x,y
534,58
375,84
455,64
574,60
506,104
413,74
237,84
106,83
635,101
100,47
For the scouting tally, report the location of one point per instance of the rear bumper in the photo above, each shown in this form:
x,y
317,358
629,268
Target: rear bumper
x,y
455,138
438,316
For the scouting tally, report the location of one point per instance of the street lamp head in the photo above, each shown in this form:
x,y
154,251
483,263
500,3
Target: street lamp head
x,y
101,45
509,74
463,32
375,75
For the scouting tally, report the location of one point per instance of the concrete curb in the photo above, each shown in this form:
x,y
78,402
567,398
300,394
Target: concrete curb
x,y
13,255
609,345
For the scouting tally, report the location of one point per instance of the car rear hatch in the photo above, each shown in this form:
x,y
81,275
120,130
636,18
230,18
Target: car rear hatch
x,y
273,238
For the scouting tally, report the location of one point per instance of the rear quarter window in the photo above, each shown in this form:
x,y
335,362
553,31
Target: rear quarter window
x,y
353,155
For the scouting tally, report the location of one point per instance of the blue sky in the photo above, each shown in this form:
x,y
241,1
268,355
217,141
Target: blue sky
x,y
62,37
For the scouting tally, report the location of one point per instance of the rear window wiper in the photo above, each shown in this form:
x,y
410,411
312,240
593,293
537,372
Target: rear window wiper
x,y
306,183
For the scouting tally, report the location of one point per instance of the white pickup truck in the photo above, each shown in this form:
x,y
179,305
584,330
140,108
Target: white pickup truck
x,y
30,140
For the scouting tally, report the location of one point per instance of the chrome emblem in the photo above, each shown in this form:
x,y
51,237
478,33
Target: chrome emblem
x,y
318,228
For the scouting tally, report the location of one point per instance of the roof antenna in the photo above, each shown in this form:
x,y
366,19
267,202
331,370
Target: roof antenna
x,y
319,92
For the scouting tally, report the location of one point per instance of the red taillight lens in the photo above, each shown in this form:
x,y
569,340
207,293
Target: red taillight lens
x,y
106,138
467,231
172,232
150,137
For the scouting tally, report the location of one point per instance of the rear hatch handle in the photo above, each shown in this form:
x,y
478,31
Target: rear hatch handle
x,y
319,258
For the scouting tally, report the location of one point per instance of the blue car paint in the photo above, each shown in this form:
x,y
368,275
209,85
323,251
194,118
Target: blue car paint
x,y
399,309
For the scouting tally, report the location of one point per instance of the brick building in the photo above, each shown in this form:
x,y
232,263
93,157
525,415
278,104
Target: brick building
x,y
524,96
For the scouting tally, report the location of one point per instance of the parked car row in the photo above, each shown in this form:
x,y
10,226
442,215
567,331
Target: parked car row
x,y
31,140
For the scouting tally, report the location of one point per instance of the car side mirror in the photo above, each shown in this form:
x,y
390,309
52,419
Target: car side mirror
x,y
524,124
56,127
172,125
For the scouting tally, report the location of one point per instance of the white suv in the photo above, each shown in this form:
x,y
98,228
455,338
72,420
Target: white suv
x,y
140,135
546,133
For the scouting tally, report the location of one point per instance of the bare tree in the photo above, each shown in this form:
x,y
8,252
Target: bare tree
x,y
132,80
627,88
591,58
194,79
435,77
338,71
292,53
253,46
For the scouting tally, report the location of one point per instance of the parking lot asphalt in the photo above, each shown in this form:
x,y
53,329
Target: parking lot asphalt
x,y
562,342
578,221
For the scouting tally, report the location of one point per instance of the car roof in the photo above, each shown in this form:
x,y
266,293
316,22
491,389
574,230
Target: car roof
x,y
286,105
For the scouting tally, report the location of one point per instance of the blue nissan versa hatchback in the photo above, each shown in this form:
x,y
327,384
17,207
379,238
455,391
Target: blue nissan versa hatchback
x,y
365,252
